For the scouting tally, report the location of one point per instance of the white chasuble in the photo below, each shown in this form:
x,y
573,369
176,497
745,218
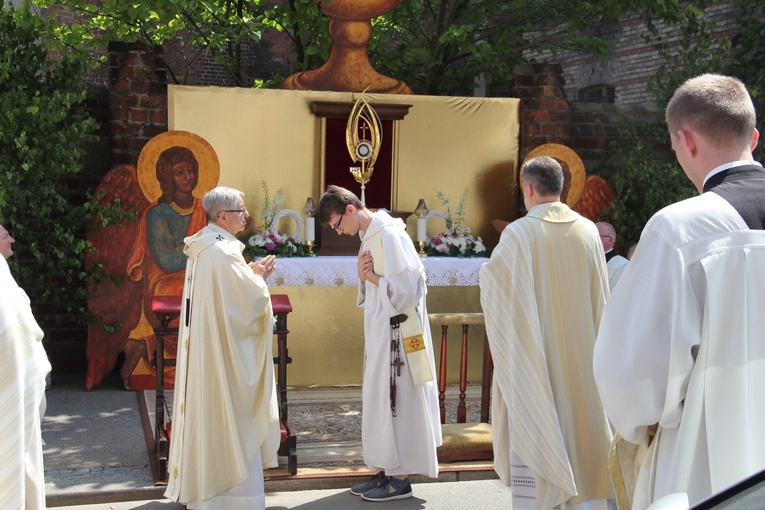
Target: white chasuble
x,y
23,367
404,444
542,294
682,344
225,405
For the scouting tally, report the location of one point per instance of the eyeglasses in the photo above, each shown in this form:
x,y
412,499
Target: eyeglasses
x,y
335,227
240,211
606,236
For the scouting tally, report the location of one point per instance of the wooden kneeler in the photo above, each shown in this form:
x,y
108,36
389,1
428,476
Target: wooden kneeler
x,y
464,441
168,309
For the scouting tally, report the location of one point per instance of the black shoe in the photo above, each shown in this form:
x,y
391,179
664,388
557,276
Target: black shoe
x,y
393,489
373,483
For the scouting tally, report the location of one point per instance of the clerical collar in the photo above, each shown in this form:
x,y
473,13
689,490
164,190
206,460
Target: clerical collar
x,y
727,166
610,254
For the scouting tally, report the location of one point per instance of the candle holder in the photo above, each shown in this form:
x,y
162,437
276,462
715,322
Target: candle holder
x,y
310,225
422,219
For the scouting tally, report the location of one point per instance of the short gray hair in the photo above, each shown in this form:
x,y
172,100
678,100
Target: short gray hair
x,y
218,200
545,174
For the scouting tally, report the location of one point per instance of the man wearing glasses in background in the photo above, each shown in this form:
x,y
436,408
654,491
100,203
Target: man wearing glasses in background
x,y
615,263
401,427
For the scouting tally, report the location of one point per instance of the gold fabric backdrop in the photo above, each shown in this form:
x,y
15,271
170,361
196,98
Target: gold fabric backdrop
x,y
444,144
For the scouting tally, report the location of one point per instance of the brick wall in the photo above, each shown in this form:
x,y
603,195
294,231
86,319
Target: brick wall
x,y
190,65
631,63
137,100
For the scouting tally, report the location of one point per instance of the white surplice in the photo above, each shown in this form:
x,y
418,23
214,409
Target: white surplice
x,y
405,444
23,367
225,405
616,266
682,344
542,294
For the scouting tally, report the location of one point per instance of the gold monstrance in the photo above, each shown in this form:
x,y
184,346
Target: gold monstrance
x,y
363,149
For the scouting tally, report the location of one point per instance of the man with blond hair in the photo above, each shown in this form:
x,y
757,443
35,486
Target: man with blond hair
x,y
680,355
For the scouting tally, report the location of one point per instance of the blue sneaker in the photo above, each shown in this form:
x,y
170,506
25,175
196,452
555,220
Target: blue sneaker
x,y
392,489
376,481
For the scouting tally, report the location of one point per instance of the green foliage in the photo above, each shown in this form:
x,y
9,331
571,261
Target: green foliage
x,y
303,22
219,27
443,46
648,176
748,50
41,127
647,179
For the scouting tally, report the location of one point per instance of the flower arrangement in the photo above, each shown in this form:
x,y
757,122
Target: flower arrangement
x,y
266,242
457,240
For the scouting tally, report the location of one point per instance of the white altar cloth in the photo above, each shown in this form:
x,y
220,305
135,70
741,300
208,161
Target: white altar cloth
x,y
341,271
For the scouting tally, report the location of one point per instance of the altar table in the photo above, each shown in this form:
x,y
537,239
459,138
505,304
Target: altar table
x,y
327,327
341,271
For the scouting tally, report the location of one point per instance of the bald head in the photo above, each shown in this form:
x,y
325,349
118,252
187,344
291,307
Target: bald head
x,y
607,235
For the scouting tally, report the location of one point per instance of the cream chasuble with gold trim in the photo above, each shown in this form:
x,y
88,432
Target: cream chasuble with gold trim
x,y
23,367
542,293
225,405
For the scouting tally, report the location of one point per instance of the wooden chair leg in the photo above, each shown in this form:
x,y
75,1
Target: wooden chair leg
x,y
442,376
461,409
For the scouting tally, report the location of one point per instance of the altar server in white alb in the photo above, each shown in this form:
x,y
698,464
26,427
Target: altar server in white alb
x,y
682,344
23,367
542,294
225,415
401,426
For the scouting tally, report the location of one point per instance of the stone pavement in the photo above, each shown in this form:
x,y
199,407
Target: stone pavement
x,y
479,494
96,458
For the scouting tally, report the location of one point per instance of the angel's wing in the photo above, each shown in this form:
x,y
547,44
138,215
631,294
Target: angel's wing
x,y
596,198
116,299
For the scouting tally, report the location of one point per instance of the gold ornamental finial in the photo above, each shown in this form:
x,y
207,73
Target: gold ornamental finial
x,y
363,137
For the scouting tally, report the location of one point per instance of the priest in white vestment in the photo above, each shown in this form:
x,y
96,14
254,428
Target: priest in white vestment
x,y
615,263
23,368
542,294
400,434
682,341
225,416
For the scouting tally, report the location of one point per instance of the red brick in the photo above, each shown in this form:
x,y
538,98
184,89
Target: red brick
x,y
549,104
158,117
120,87
548,129
136,144
123,100
119,114
153,102
139,87
559,116
538,116
152,130
139,115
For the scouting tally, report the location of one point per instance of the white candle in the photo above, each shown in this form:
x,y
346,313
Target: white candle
x,y
422,233
309,229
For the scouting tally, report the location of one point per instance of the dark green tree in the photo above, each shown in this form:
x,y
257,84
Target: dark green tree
x,y
442,46
647,176
221,28
42,126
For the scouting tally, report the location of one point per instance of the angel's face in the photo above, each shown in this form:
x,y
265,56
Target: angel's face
x,y
184,177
